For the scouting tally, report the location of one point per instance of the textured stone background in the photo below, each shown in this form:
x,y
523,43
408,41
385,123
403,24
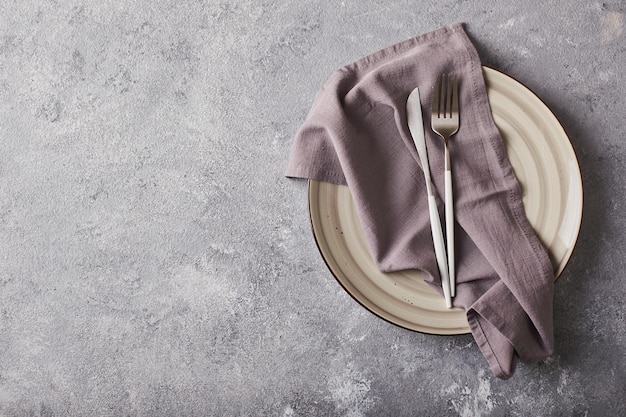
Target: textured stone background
x,y
155,262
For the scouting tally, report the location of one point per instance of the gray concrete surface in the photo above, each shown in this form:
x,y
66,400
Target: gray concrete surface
x,y
155,262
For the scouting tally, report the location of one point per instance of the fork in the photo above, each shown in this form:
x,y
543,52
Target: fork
x,y
445,122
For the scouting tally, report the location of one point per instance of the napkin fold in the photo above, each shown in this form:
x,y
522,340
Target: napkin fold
x,y
356,134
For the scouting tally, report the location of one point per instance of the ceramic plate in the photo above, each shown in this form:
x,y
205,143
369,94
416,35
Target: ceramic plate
x,y
547,169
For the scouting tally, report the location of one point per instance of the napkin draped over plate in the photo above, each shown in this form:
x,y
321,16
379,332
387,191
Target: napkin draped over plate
x,y
356,134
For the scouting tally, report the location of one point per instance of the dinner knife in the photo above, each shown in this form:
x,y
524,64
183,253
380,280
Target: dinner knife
x,y
416,127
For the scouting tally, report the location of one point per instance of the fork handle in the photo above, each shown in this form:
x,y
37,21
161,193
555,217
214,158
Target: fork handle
x,y
449,201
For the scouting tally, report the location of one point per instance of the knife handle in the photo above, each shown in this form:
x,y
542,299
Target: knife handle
x,y
450,232
440,248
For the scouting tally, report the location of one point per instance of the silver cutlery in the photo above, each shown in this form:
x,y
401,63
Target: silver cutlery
x,y
416,127
445,122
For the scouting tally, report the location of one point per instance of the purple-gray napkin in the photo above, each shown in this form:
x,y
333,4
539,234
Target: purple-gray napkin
x,y
356,134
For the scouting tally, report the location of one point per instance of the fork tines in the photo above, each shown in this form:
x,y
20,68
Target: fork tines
x,y
445,102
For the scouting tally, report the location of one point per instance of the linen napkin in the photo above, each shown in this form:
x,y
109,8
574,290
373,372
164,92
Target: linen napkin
x,y
356,134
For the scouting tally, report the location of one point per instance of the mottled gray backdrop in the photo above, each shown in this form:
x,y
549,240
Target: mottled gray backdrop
x,y
155,262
